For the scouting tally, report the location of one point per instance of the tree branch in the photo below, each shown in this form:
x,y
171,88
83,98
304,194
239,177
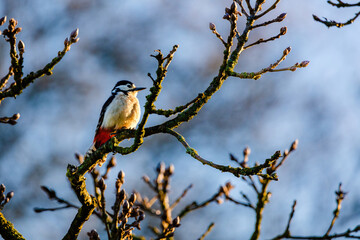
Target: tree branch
x,y
235,171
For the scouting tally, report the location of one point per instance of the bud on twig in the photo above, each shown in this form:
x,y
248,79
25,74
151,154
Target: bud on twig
x,y
233,7
283,30
126,206
287,51
304,63
9,195
294,145
112,162
2,20
21,46
247,151
171,169
66,42
93,235
121,177
141,216
122,195
286,152
293,69
212,26
226,16
281,17
101,184
74,34
176,222
132,199
160,167
146,179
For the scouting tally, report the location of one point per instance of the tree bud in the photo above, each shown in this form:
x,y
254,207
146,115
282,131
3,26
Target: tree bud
x,y
233,7
283,30
286,152
132,199
121,176
212,26
304,63
176,222
126,205
294,145
171,169
226,16
9,195
141,216
281,17
247,151
66,42
21,46
2,20
16,116
146,179
160,167
74,34
12,23
293,69
122,195
101,184
287,51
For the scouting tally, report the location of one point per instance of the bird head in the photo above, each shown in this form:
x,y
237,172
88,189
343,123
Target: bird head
x,y
126,87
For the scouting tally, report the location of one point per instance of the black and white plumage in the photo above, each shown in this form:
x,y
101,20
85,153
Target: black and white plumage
x,y
121,110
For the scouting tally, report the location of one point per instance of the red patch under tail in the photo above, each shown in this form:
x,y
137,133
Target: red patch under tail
x,y
102,136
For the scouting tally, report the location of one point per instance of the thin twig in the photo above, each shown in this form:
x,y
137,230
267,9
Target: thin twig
x,y
282,32
340,195
272,7
181,197
243,11
235,171
208,230
332,23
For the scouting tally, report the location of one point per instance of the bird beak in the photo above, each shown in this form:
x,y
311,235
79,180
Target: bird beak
x,y
137,89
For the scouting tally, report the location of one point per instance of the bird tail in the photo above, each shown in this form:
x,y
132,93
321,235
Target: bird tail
x,y
102,135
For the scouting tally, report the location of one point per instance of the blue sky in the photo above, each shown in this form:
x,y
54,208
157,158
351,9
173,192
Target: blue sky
x,y
318,105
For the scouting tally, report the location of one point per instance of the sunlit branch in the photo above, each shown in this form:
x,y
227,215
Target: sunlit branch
x,y
10,120
243,11
213,29
6,78
272,7
332,23
271,68
340,195
341,4
208,230
16,62
176,202
280,18
282,32
235,171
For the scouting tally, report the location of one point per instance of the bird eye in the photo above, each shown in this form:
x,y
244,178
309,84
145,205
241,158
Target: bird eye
x,y
129,86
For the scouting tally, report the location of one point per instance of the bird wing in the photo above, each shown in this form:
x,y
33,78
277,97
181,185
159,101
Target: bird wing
x,y
102,113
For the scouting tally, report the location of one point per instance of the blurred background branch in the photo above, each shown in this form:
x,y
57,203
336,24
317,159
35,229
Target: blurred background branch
x,y
265,116
339,4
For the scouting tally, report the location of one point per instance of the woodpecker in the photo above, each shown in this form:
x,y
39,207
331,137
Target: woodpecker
x,y
121,110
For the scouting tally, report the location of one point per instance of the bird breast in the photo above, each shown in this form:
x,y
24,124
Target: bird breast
x,y
123,112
